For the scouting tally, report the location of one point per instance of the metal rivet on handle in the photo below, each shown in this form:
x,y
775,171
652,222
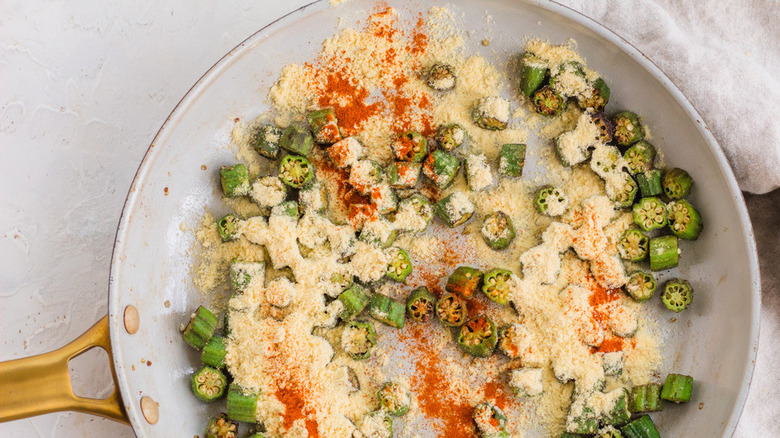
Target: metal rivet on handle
x,y
150,409
132,319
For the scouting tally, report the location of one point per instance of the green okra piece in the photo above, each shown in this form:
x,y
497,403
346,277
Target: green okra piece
x,y
234,180
645,398
410,146
420,305
358,339
202,325
441,77
400,265
387,310
297,140
641,285
241,273
498,230
547,102
403,174
454,209
628,130
608,432
378,235
606,130
441,168
683,219
365,175
418,206
355,299
677,388
619,413
314,197
551,201
640,157
596,98
451,310
613,363
664,253
633,245
377,430
241,406
290,209
324,126
464,282
228,227
650,214
510,340
450,136
394,399
583,422
214,352
478,337
624,197
296,171
677,183
490,419
496,285
208,384
384,198
642,427
491,113
511,160
532,74
677,295
220,426
649,183
572,69
569,435
267,141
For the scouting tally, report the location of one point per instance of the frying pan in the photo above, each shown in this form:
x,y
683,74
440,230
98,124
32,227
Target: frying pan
x,y
715,340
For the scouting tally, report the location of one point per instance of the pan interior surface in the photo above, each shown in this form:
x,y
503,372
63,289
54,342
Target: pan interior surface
x,y
713,341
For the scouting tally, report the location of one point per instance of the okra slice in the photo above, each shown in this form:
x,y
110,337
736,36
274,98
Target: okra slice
x,y
677,295
582,419
650,214
569,80
400,265
642,427
208,384
268,191
241,406
383,197
324,126
414,213
526,382
633,245
551,201
394,399
608,432
613,364
677,183
596,97
378,232
403,174
221,426
491,113
314,197
684,220
606,160
649,183
604,127
641,286
547,102
464,282
532,73
497,285
365,175
454,209
478,337
201,328
664,253
677,388
645,398
511,160
287,208
512,339
214,352
297,139
242,274
387,310
355,299
228,227
410,146
498,230
358,339
640,157
441,168
451,310
267,141
346,152
420,305
296,171
621,189
234,180
490,419
478,173
441,77
628,130
377,424
617,413
450,136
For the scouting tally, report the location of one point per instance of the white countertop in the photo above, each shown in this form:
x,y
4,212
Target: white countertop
x,y
86,86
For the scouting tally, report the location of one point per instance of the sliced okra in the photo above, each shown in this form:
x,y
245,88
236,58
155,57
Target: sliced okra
x,y
403,174
478,173
288,209
441,77
268,191
491,113
201,328
234,180
450,136
618,413
498,230
526,382
324,126
241,406
208,384
296,171
420,305
677,183
512,339
228,227
400,265
214,352
365,175
582,418
451,310
511,160
387,310
628,130
242,274
650,214
641,286
532,73
645,398
478,337
677,388
454,209
642,427
441,168
649,183
355,299
314,197
267,141
621,189
410,146
378,232
370,427
220,426
346,152
604,127
464,282
394,399
606,160
640,157
297,139
664,253
608,432
551,201
548,102
596,97
677,295
358,339
684,220
497,285
633,245
383,197
490,419
414,213
613,363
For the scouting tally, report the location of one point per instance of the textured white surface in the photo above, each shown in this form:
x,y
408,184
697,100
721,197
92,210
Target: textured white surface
x,y
86,86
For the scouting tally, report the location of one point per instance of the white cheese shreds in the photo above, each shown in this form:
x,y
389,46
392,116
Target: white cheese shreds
x,y
526,382
572,146
479,175
459,206
346,152
268,191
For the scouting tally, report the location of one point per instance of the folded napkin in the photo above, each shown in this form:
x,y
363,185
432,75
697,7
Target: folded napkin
x,y
724,57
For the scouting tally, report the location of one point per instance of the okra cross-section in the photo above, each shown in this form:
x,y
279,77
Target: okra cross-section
x,y
677,388
604,127
497,285
324,126
450,136
394,399
628,130
621,189
296,171
677,183
208,384
414,213
410,146
376,424
400,265
684,220
227,226
677,295
478,336
387,310
664,253
551,201
498,230
641,286
420,305
640,157
267,141
451,310
441,77
358,339
490,419
297,139
454,209
532,73
650,214
596,97
548,102
441,168
221,426
403,174
491,113
511,160
201,328
633,245
234,180
464,281
512,339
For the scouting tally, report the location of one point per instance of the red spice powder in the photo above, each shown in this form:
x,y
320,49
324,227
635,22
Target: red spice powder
x,y
496,393
292,397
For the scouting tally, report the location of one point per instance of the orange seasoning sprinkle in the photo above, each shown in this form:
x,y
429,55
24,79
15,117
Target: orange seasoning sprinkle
x,y
292,397
496,393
